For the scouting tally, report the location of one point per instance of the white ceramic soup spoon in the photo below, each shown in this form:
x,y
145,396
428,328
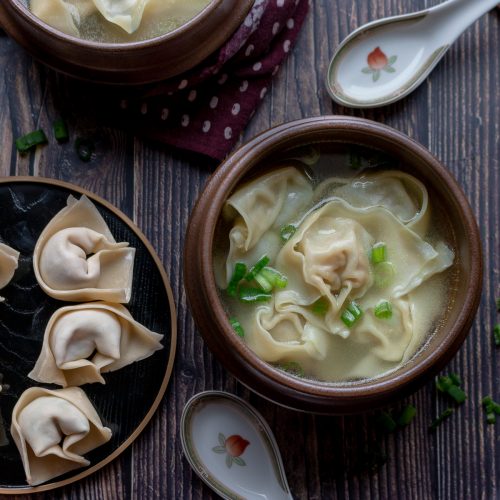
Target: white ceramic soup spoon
x,y
383,61
231,447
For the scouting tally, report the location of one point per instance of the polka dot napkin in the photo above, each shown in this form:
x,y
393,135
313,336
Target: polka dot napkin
x,y
206,109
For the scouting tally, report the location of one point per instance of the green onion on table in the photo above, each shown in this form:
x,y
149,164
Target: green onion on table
x,y
440,419
28,141
60,130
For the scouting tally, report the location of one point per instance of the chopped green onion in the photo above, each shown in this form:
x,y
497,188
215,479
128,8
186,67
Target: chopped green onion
x,y
351,314
287,232
457,394
443,383
28,141
384,274
450,386
379,252
492,409
354,160
60,130
274,277
321,306
383,310
257,268
240,269
386,422
292,367
455,378
237,327
439,420
84,148
263,282
406,415
496,334
252,295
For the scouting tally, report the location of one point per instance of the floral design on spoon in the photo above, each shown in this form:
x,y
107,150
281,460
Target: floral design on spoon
x,y
378,62
233,446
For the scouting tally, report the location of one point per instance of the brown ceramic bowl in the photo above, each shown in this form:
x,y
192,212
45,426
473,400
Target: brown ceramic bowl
x,y
128,63
303,394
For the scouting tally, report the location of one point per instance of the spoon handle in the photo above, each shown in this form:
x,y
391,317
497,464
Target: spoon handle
x,y
453,17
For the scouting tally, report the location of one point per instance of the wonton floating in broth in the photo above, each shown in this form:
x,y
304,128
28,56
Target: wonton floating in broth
x,y
116,21
338,280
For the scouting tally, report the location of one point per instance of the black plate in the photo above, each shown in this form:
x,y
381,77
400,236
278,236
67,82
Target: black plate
x,y
131,395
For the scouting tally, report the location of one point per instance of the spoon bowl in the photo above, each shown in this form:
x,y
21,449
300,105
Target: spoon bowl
x,y
232,449
385,60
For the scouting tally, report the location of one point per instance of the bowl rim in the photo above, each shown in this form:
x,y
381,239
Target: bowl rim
x,y
182,30
223,181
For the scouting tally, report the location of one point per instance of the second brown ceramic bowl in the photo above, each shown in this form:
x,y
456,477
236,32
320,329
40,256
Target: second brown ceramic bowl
x,y
127,63
303,394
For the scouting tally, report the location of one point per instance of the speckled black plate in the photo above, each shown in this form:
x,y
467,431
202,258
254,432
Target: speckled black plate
x,y
131,395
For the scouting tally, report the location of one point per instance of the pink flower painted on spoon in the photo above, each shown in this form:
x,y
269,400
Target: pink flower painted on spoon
x,y
378,62
233,446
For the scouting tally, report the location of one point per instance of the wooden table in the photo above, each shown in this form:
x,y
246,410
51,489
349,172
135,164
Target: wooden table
x,y
455,113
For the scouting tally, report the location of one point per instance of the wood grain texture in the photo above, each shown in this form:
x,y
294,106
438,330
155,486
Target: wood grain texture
x,y
455,113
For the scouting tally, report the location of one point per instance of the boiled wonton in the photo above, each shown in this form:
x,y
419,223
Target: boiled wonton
x,y
8,264
85,340
76,258
53,430
265,203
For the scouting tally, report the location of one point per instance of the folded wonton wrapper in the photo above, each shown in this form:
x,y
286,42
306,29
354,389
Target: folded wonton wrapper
x,y
53,430
270,201
76,257
105,331
8,264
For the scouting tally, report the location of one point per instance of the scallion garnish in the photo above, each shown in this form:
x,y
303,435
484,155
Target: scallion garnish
x,y
240,269
450,385
237,327
439,420
406,415
28,141
292,367
383,310
321,306
251,295
287,232
386,422
491,408
84,148
379,252
455,378
257,268
263,282
273,276
496,334
60,130
384,273
351,314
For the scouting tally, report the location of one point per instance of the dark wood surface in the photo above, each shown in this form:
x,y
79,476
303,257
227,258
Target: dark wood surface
x,y
455,113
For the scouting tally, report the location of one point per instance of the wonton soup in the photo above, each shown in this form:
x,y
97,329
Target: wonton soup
x,y
333,267
116,21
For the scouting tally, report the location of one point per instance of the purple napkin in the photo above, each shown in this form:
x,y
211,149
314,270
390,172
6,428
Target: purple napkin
x,y
206,109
